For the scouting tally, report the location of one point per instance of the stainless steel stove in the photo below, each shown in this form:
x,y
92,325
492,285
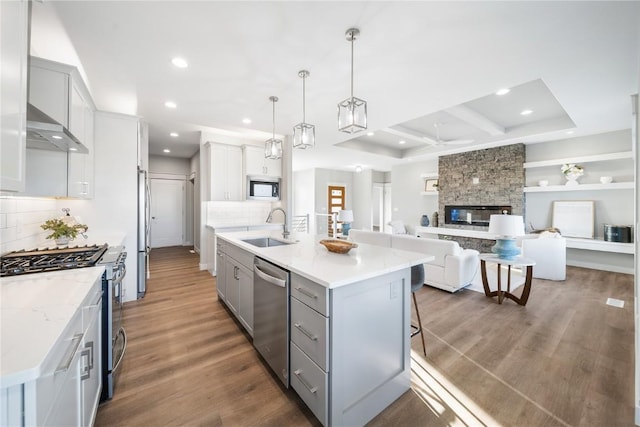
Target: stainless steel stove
x,y
114,338
41,260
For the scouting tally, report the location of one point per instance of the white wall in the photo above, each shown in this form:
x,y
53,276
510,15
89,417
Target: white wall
x,y
408,204
169,165
194,171
303,196
362,200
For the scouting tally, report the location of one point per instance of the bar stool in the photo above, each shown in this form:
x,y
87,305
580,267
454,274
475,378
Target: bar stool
x,y
417,281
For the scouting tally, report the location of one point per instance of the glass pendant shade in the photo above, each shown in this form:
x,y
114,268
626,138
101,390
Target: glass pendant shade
x,y
352,112
352,115
304,134
273,146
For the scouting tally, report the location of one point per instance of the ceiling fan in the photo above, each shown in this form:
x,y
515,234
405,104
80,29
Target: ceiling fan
x,y
440,142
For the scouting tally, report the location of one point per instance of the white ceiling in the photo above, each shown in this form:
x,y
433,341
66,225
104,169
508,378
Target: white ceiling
x,y
574,63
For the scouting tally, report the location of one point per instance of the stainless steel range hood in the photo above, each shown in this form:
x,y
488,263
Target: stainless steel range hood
x,y
44,133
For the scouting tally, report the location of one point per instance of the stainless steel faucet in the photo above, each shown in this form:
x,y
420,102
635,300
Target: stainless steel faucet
x,y
285,232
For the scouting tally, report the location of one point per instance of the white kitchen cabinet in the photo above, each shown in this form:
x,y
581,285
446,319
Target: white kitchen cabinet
x,y
58,91
226,172
91,363
221,277
254,163
14,27
68,390
238,284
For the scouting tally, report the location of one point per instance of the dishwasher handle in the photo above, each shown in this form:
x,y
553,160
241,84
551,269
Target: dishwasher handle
x,y
268,278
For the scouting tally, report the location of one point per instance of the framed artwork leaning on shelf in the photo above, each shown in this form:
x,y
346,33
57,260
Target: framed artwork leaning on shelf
x,y
574,218
431,185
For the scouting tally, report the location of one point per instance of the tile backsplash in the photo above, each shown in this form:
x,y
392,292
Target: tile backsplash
x,y
238,213
20,220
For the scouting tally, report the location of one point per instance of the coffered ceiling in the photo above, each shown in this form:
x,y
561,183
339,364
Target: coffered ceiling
x,y
428,70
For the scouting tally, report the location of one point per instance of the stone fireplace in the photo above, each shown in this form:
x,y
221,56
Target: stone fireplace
x,y
492,177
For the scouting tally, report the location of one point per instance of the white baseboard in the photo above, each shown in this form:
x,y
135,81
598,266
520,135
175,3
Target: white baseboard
x,y
637,416
204,266
603,267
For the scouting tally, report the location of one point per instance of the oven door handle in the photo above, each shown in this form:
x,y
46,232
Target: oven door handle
x,y
268,278
124,349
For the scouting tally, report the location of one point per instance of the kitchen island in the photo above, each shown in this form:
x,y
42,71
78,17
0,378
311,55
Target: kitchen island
x,y
349,322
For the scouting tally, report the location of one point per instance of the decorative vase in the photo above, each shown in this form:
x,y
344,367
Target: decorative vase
x,y
572,179
62,241
424,221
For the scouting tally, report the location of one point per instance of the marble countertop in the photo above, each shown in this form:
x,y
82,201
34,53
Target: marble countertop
x,y
261,224
35,309
312,260
112,239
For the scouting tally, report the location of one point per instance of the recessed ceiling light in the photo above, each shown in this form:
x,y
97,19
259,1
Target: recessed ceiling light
x,y
179,62
503,92
56,137
358,168
166,150
246,121
174,134
402,141
526,112
570,132
370,133
170,104
73,149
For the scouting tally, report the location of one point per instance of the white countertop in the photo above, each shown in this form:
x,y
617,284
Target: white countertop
x,y
273,225
35,309
312,260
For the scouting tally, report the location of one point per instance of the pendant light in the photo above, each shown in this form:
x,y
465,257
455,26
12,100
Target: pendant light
x,y
304,134
273,146
352,112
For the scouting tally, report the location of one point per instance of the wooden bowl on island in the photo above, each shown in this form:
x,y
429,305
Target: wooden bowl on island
x,y
338,246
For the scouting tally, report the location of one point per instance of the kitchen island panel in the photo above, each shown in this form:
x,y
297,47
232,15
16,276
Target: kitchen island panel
x,y
370,347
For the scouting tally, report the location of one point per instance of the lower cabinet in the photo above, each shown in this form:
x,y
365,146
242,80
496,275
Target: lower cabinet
x,y
235,284
350,346
68,391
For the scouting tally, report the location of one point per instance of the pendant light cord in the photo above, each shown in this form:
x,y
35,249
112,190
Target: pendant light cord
x,y
273,101
304,78
352,39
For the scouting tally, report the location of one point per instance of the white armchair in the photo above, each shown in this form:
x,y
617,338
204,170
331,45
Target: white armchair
x,y
549,251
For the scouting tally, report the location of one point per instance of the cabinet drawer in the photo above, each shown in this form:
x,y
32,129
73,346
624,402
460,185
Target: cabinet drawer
x,y
310,382
240,255
311,293
309,332
58,367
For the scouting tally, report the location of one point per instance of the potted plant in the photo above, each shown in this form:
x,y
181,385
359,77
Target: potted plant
x,y
63,230
572,172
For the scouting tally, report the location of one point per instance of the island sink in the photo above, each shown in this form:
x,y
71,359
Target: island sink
x,y
265,242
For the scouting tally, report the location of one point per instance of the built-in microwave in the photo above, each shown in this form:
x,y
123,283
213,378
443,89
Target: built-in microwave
x,y
263,188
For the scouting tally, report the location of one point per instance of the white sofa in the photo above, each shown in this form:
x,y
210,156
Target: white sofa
x,y
453,267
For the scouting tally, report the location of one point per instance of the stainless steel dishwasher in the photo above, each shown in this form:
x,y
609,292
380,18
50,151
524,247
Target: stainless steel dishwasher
x,y
271,316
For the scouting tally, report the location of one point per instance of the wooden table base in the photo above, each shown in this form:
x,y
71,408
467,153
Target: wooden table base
x,y
522,300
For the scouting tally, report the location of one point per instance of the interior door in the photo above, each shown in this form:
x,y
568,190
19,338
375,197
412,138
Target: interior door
x,y
335,203
167,212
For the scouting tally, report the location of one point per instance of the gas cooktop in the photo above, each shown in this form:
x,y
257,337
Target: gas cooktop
x,y
41,260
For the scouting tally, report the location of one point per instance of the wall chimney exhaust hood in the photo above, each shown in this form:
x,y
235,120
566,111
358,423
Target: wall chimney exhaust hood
x,y
44,133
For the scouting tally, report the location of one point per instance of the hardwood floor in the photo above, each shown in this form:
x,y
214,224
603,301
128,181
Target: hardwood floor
x,y
565,358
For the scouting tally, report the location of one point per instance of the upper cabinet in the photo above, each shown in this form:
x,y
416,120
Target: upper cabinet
x,y
14,26
58,91
226,172
254,162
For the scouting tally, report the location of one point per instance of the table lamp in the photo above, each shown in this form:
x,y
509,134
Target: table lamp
x,y
346,217
506,228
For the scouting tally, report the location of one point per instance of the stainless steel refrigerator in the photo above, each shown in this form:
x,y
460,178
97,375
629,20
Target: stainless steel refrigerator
x,y
144,212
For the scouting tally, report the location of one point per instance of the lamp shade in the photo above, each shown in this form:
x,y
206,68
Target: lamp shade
x,y
506,225
345,216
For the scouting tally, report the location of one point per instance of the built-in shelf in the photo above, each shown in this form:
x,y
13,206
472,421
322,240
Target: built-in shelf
x,y
580,159
572,242
429,193
581,187
429,175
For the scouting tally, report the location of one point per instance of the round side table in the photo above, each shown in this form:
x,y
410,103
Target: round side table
x,y
517,262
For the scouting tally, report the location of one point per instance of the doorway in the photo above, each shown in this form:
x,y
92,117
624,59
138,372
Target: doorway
x,y
381,207
336,196
167,212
